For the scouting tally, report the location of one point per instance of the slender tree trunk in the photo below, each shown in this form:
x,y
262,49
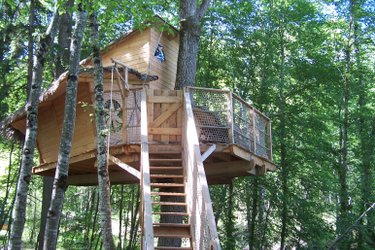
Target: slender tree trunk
x,y
133,223
92,238
61,64
366,141
47,191
283,152
65,31
121,208
30,46
190,18
229,225
103,176
3,212
30,137
61,174
252,213
343,168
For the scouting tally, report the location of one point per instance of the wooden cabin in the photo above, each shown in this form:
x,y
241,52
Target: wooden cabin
x,y
159,137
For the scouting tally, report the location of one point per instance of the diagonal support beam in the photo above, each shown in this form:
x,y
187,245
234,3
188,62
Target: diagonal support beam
x,y
125,166
208,152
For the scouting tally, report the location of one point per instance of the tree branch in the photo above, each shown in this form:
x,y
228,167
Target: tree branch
x,y
203,8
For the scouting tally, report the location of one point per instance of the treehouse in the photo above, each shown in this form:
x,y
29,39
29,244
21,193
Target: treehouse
x,y
173,142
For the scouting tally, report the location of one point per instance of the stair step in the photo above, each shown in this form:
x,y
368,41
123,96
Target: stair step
x,y
170,230
171,225
168,194
164,148
173,248
166,176
171,213
163,203
166,168
167,184
165,160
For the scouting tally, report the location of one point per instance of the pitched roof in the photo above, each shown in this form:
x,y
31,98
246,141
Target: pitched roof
x,y
58,86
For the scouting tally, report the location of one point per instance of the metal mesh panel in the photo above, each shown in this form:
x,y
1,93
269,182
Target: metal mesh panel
x,y
261,135
211,114
133,116
242,124
114,120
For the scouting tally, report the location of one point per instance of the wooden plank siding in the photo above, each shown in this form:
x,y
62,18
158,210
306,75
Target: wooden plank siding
x,y
133,51
50,122
165,70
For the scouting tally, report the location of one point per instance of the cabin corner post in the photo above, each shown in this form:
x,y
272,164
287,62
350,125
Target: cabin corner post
x,y
147,228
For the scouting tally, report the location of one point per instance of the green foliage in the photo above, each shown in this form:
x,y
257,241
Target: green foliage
x,y
263,50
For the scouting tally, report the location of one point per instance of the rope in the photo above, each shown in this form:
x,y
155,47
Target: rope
x,y
110,115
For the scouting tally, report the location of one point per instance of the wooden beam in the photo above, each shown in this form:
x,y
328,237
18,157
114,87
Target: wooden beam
x,y
74,159
208,152
164,131
125,167
164,99
165,115
92,179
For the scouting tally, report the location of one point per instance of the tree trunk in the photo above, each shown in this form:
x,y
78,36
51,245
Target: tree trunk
x,y
65,31
61,64
3,212
30,47
61,174
283,152
343,222
103,176
366,141
190,18
30,137
230,243
47,190
252,213
121,208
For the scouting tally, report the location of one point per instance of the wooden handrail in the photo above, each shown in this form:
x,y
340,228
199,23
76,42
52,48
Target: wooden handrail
x,y
194,164
147,229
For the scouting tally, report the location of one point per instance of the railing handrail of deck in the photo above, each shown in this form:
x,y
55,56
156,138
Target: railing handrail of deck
x,y
238,123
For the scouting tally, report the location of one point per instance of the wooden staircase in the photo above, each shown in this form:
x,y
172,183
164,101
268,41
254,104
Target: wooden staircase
x,y
176,207
169,208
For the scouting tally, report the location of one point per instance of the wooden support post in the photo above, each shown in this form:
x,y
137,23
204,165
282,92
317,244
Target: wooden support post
x,y
208,152
125,166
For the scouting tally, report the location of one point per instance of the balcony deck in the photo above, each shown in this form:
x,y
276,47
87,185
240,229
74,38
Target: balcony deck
x,y
241,135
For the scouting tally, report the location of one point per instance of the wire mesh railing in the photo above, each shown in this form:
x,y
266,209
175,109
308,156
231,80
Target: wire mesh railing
x,y
223,117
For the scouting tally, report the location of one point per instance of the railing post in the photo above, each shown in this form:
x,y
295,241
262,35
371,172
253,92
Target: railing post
x,y
269,140
254,131
231,117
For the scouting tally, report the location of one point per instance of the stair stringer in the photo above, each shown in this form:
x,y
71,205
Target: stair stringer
x,y
202,220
